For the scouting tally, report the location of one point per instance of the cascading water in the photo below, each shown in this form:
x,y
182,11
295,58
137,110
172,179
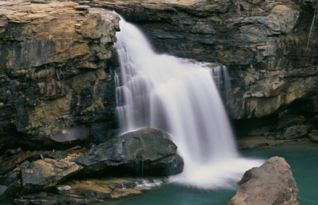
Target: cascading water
x,y
178,96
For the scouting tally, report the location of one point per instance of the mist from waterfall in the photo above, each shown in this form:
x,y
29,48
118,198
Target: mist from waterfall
x,y
180,97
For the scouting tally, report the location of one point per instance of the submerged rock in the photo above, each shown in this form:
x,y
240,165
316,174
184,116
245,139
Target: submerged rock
x,y
270,184
144,152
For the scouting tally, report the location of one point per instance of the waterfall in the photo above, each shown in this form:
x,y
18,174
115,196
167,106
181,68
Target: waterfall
x,y
180,97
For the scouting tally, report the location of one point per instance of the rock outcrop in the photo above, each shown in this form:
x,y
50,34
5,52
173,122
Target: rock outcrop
x,y
145,152
45,58
48,172
265,45
90,191
56,71
271,184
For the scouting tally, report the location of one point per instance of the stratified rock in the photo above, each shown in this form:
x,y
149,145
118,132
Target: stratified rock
x,y
111,188
90,191
9,163
144,152
264,44
296,131
48,172
252,142
55,70
271,184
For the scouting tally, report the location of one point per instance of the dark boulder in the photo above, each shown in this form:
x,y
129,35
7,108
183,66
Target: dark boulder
x,y
144,152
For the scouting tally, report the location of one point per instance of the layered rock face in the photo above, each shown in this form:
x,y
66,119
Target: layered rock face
x,y
62,176
271,184
56,72
57,66
265,44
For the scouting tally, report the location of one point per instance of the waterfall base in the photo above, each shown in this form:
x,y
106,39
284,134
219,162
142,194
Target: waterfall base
x,y
221,174
180,97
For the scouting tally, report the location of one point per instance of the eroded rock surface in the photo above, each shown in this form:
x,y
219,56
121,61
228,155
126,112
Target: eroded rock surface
x,y
55,70
48,172
263,43
90,191
271,184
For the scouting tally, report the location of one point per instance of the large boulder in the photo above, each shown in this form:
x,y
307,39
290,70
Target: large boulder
x,y
271,184
144,152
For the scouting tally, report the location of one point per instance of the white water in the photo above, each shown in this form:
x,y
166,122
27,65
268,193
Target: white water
x,y
178,96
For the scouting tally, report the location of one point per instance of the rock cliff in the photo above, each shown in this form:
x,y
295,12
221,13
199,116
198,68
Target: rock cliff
x,y
266,45
45,56
56,71
57,83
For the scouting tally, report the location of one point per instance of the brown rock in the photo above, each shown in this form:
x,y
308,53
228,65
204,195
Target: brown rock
x,y
90,191
262,42
271,184
48,172
47,49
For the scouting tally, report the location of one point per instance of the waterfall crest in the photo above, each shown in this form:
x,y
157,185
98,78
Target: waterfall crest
x,y
180,97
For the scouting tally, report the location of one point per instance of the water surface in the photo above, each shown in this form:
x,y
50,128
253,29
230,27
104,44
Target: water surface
x,y
303,158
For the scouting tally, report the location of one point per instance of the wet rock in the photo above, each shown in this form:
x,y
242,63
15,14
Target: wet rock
x,y
271,184
90,191
109,188
146,152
